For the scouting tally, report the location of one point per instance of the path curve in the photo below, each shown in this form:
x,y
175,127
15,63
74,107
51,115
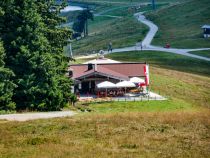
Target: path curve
x,y
152,29
34,116
146,43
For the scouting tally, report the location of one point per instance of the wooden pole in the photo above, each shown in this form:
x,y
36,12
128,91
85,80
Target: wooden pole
x,y
153,5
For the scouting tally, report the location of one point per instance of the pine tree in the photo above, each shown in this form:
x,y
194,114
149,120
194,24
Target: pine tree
x,y
81,24
57,37
34,49
6,86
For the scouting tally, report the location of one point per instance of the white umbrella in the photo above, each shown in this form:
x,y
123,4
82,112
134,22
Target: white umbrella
x,y
106,84
125,84
137,80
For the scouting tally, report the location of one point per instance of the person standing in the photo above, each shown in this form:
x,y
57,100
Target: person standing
x,y
141,46
110,47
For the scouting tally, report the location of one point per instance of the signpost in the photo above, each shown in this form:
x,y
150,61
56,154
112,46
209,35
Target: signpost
x,y
70,48
153,5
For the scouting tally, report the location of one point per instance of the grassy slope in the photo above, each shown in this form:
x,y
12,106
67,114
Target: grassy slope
x,y
193,89
125,10
121,32
205,53
170,105
166,60
180,25
131,135
102,21
161,130
186,92
173,127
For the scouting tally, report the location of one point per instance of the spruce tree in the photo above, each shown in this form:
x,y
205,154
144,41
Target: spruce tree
x,y
58,38
81,24
6,86
34,56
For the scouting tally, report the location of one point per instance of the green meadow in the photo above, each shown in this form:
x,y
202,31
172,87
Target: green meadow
x,y
204,53
180,24
178,127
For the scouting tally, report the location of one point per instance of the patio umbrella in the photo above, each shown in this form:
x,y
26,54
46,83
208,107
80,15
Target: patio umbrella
x,y
137,80
106,85
125,84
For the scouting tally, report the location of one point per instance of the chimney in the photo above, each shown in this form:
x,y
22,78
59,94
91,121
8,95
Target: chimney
x,y
70,73
90,66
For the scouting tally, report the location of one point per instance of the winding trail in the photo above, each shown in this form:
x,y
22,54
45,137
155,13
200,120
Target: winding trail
x,y
146,43
153,29
151,34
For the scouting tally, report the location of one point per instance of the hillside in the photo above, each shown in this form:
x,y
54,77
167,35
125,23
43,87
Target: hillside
x,y
180,25
121,32
177,127
166,60
116,25
150,129
126,135
176,84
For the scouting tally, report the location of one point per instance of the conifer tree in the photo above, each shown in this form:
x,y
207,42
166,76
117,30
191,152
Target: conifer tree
x,y
34,50
6,86
81,24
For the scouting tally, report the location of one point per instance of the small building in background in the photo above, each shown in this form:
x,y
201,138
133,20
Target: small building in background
x,y
206,31
86,76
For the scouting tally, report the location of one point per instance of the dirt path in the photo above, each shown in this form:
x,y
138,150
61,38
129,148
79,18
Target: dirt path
x,y
148,39
152,29
34,116
151,34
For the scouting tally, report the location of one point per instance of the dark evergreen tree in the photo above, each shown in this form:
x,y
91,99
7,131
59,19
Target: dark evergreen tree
x,y
6,85
58,38
81,24
34,50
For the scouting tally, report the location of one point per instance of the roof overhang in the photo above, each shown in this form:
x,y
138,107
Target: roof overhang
x,y
102,74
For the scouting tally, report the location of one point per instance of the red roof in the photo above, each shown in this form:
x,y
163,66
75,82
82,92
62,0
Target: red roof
x,y
116,70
